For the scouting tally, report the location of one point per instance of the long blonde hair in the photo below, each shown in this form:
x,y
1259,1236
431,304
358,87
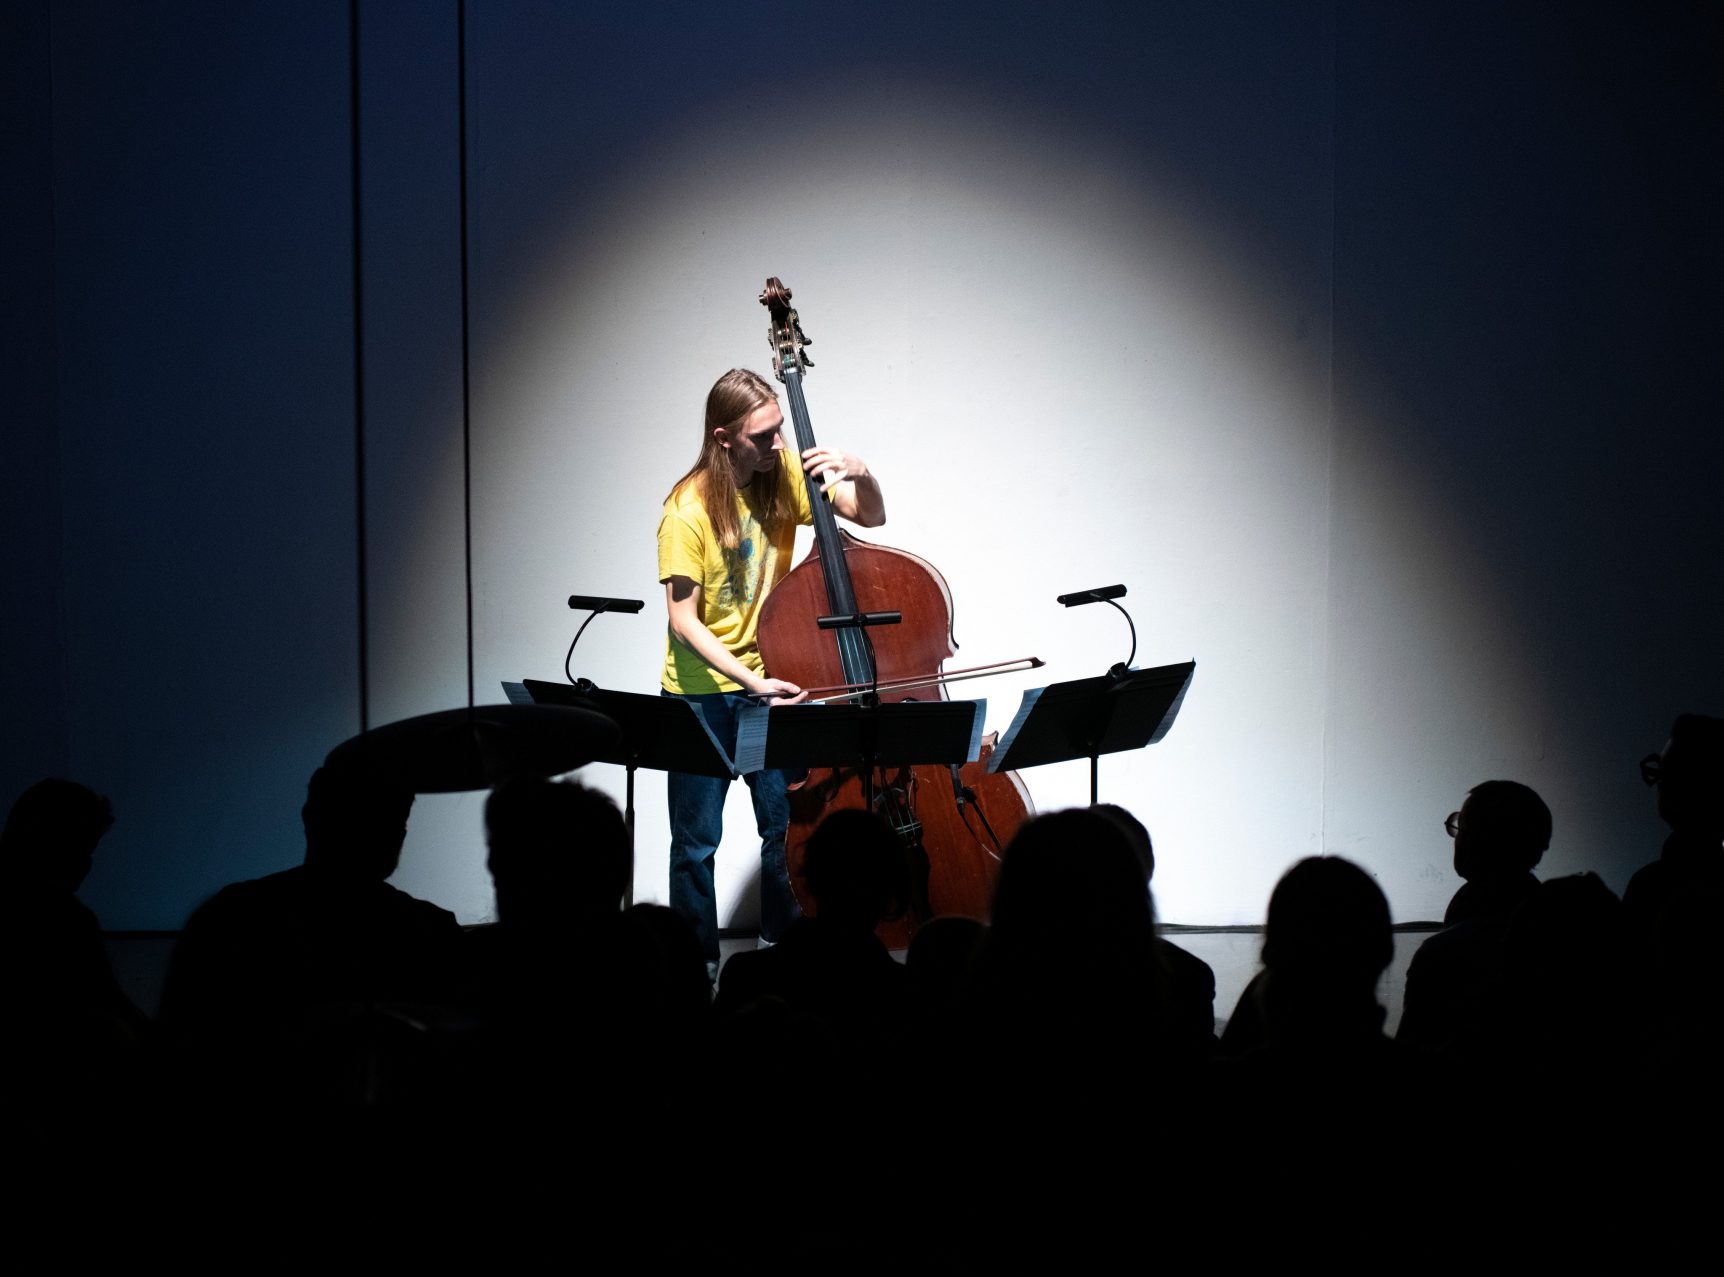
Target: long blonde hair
x,y
732,397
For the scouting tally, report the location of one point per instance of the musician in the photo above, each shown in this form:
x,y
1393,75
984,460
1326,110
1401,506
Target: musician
x,y
725,539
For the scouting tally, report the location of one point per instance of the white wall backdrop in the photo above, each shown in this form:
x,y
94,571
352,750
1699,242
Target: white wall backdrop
x,y
1261,310
1050,353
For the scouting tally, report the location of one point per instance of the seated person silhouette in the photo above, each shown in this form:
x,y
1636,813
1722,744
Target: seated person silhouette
x,y
1326,945
1501,832
1069,982
1060,1044
1314,1005
1688,776
824,1011
278,956
71,1019
1563,1015
581,1002
1190,980
558,853
1316,1101
939,965
559,858
1671,904
831,964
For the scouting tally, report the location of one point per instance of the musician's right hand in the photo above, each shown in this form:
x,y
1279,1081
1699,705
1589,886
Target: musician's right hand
x,y
775,691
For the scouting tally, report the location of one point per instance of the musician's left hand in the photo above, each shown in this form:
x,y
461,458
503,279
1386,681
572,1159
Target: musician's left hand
x,y
832,466
845,479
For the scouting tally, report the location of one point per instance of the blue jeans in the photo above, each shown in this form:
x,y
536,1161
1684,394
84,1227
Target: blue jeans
x,y
697,825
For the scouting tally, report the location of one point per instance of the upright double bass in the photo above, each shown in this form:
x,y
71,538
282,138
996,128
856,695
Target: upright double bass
x,y
954,822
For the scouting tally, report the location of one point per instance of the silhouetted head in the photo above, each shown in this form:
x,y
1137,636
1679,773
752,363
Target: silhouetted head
x,y
1501,831
558,850
946,943
855,869
1328,922
1070,970
1690,777
1134,832
355,822
1565,972
673,977
1568,926
942,954
1071,873
51,835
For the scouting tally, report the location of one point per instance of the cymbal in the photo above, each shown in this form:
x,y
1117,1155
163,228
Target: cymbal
x,y
462,749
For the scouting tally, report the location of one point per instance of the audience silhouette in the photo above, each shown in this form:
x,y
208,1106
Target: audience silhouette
x,y
1069,987
830,963
1501,832
1326,943
827,996
580,1002
1688,778
56,950
309,982
1671,904
320,1012
1189,980
77,1035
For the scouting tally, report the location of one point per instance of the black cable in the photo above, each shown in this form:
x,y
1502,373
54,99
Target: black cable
x,y
466,361
999,848
358,365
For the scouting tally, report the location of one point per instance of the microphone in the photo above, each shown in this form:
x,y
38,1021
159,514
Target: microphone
x,y
1099,595
599,603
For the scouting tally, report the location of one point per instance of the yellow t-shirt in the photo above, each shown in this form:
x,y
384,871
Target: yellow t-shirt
x,y
733,584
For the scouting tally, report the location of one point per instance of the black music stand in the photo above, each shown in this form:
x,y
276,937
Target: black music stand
x,y
660,733
899,734
1089,717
